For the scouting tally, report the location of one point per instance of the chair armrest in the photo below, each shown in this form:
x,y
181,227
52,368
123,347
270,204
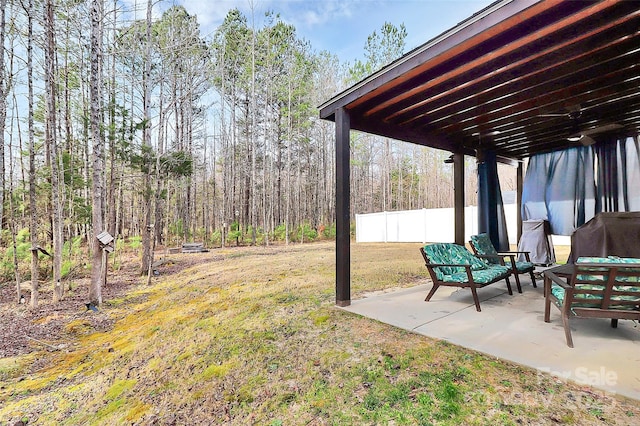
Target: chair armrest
x,y
459,265
557,280
526,254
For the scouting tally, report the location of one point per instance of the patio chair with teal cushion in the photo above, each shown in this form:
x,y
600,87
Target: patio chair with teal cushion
x,y
453,265
599,287
483,248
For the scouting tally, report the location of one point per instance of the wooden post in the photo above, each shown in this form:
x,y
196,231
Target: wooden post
x,y
153,247
105,243
519,188
458,185
343,242
105,267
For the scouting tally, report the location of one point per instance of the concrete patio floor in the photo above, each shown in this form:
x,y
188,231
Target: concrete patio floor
x,y
513,328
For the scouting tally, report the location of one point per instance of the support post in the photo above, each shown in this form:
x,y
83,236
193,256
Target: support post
x,y
519,188
343,241
458,186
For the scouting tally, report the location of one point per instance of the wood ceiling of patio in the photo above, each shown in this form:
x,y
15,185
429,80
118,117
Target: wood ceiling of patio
x,y
518,77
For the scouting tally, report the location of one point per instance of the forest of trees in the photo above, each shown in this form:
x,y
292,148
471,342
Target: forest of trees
x,y
144,128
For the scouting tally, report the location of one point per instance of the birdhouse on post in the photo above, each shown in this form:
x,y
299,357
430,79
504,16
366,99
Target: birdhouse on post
x,y
105,241
106,244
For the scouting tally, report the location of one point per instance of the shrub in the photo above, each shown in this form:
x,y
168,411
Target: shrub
x,y
23,253
234,234
67,267
259,235
176,231
329,231
310,234
215,239
303,233
135,242
279,233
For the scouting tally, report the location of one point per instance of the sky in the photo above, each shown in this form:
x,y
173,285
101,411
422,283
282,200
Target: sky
x,y
342,26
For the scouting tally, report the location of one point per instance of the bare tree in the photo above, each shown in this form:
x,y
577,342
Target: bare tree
x,y
12,218
5,84
146,145
3,105
97,263
51,142
33,213
110,219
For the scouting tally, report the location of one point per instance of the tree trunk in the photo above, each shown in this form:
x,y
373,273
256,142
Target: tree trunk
x,y
3,107
12,219
253,220
146,141
33,213
97,266
158,229
111,186
50,140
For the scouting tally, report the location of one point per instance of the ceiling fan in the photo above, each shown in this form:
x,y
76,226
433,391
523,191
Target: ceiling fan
x,y
572,112
583,136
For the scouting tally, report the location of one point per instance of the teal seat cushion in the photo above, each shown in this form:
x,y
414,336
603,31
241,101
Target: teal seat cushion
x,y
585,300
483,276
449,253
593,300
524,266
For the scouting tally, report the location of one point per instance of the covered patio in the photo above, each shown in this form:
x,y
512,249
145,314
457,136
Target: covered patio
x,y
515,80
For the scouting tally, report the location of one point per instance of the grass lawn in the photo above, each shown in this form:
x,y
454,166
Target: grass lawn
x,y
245,336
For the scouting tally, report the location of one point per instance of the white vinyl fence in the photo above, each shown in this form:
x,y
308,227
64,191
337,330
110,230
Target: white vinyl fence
x,y
429,225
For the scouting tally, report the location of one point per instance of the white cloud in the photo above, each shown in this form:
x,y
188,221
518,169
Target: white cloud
x,y
319,13
211,13
303,14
